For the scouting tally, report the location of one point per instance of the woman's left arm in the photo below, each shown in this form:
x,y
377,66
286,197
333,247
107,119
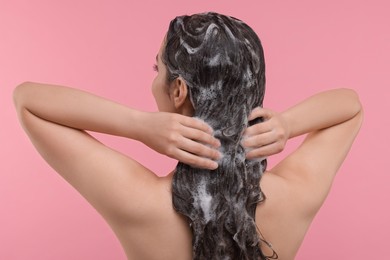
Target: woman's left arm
x,y
55,118
174,135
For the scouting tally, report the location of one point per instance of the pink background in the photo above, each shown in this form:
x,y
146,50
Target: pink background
x,y
108,47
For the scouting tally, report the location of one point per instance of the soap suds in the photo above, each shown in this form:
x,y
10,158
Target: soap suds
x,y
203,200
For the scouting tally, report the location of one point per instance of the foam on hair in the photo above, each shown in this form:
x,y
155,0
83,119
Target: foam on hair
x,y
221,60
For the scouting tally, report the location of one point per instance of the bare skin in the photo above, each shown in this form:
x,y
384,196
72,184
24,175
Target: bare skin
x,y
137,204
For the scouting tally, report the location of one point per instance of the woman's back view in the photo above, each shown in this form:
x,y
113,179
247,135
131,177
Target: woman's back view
x,y
138,205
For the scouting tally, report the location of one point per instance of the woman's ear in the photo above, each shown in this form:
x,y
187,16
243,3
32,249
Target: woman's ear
x,y
179,95
178,92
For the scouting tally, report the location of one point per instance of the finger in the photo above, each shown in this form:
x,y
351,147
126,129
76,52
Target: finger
x,y
196,161
264,151
200,136
199,149
259,140
254,113
260,112
196,123
257,129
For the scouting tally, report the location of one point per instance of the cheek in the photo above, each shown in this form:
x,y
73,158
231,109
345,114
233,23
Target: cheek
x,y
160,95
158,88
154,87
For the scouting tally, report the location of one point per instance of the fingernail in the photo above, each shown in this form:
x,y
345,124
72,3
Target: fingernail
x,y
214,165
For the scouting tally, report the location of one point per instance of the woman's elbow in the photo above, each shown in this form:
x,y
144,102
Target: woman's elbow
x,y
353,97
19,94
356,105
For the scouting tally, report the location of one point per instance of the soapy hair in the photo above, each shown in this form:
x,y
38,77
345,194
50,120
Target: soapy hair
x,y
222,62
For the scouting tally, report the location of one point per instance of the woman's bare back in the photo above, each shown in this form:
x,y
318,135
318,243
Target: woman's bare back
x,y
295,190
164,234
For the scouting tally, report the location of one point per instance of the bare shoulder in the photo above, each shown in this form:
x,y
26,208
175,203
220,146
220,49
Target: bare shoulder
x,y
159,232
281,217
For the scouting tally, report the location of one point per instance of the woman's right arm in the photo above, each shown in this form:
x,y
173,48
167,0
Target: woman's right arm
x,y
331,119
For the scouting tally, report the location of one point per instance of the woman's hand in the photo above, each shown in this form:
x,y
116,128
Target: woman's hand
x,y
184,138
268,137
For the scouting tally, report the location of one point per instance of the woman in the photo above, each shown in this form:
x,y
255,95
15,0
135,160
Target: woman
x,y
209,90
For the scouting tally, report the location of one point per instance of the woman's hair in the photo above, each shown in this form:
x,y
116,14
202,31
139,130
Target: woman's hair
x,y
222,62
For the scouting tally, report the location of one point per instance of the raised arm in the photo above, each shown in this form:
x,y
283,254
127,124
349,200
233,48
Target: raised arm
x,y
321,111
331,119
55,118
81,110
317,112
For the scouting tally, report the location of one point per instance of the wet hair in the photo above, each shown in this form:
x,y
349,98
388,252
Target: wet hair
x,y
222,62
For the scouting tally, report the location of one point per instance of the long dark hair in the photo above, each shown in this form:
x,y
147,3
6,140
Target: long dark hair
x,y
222,62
